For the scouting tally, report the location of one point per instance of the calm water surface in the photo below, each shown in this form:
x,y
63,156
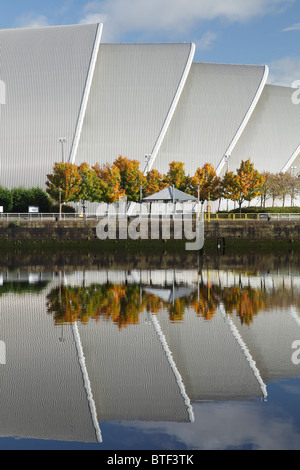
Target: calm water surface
x,y
150,359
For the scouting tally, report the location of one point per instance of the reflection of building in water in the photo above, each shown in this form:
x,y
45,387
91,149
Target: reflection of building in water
x,y
41,382
163,277
60,382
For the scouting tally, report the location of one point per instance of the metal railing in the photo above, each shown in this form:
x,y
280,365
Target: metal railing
x,y
280,216
46,216
92,216
253,216
230,216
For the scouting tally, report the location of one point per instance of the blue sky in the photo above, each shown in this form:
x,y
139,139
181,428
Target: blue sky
x,y
224,31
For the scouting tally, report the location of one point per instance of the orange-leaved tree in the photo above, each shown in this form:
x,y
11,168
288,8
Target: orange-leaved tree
x,y
131,177
89,189
154,182
243,185
109,180
265,187
63,183
176,176
207,181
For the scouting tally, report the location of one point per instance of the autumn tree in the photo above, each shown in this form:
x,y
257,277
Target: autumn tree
x,y
283,182
278,186
288,186
218,192
154,182
63,183
255,186
274,187
131,177
109,180
208,182
294,188
176,176
244,185
89,188
265,187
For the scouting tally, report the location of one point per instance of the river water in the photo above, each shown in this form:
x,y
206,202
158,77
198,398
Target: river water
x,y
150,358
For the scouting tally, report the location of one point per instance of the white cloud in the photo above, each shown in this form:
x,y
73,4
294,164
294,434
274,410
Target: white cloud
x,y
294,27
222,426
206,41
284,71
32,20
179,16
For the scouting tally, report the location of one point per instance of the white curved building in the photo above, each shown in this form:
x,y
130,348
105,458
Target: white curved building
x,y
273,132
214,109
70,97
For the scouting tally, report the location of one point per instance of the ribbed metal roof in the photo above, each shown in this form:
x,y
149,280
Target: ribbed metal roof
x,y
45,71
273,132
133,100
132,93
211,110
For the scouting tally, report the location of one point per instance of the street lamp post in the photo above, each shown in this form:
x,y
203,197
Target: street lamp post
x,y
293,170
294,174
59,203
226,158
147,158
62,140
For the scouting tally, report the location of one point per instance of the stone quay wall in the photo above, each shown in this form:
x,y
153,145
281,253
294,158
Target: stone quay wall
x,y
80,230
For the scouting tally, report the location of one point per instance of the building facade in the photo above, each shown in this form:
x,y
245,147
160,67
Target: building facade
x,y
69,97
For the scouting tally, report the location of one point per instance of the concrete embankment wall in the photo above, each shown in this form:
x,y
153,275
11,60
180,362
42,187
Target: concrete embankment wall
x,y
81,230
253,230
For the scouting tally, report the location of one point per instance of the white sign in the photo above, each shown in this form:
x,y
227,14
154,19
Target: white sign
x,y
33,209
1,208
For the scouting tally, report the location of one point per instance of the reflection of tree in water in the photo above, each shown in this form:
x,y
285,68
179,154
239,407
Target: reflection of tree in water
x,y
206,301
177,309
123,303
120,303
19,287
245,302
117,302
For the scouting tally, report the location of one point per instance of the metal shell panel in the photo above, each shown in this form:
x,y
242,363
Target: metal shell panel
x,y
133,89
210,112
45,71
273,132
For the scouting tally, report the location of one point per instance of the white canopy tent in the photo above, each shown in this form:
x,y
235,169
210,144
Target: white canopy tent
x,y
169,194
171,200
